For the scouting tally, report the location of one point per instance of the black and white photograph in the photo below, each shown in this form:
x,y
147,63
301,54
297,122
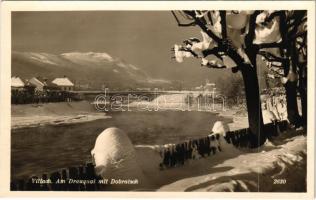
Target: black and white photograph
x,y
177,100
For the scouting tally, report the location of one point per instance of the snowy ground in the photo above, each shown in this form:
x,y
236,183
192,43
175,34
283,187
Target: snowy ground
x,y
241,170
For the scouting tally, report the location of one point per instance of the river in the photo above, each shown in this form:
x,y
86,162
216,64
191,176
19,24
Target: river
x,y
42,149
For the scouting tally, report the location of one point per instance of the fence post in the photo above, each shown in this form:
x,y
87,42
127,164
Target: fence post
x,y
32,186
90,175
81,176
13,186
21,185
44,186
73,174
64,176
54,177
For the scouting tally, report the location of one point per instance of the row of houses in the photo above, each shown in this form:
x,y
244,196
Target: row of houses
x,y
39,90
41,84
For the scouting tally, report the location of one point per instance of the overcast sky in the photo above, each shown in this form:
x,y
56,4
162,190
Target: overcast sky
x,y
138,37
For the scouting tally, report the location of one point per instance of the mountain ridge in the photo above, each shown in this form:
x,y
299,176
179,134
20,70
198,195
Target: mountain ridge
x,y
92,69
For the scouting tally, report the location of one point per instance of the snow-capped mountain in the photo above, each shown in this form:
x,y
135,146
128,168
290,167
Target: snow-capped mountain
x,y
94,69
80,58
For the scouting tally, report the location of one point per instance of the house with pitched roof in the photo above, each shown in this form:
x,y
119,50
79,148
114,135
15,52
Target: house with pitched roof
x,y
64,84
17,83
38,82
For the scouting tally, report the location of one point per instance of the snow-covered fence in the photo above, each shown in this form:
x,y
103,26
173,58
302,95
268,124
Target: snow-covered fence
x,y
80,178
176,154
84,178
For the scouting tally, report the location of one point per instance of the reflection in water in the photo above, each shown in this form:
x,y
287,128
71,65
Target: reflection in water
x,y
43,149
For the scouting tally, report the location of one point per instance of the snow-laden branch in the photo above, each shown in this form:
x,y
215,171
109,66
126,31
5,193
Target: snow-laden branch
x,y
267,29
234,35
235,38
193,47
182,24
271,57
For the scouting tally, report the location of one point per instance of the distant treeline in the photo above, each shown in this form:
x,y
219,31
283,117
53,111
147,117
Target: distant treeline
x,y
35,97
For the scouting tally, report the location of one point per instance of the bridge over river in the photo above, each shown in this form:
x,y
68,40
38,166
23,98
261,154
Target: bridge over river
x,y
92,94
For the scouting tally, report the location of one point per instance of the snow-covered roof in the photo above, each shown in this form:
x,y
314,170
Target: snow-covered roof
x,y
62,82
36,81
17,82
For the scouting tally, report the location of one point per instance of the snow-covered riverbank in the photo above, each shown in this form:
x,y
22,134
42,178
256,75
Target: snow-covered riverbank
x,y
230,170
33,115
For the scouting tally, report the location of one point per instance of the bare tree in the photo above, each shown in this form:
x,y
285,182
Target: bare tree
x,y
234,39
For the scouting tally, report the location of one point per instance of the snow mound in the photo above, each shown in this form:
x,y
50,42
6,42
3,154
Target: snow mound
x,y
115,158
220,127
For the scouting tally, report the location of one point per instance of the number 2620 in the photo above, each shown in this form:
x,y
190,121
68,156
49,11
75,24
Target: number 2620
x,y
279,181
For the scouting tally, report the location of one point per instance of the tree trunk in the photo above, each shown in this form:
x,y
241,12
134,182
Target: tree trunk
x,y
253,105
303,95
302,88
290,72
291,99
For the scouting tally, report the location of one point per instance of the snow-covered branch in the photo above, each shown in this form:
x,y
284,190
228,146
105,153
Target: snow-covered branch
x,y
270,57
237,34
